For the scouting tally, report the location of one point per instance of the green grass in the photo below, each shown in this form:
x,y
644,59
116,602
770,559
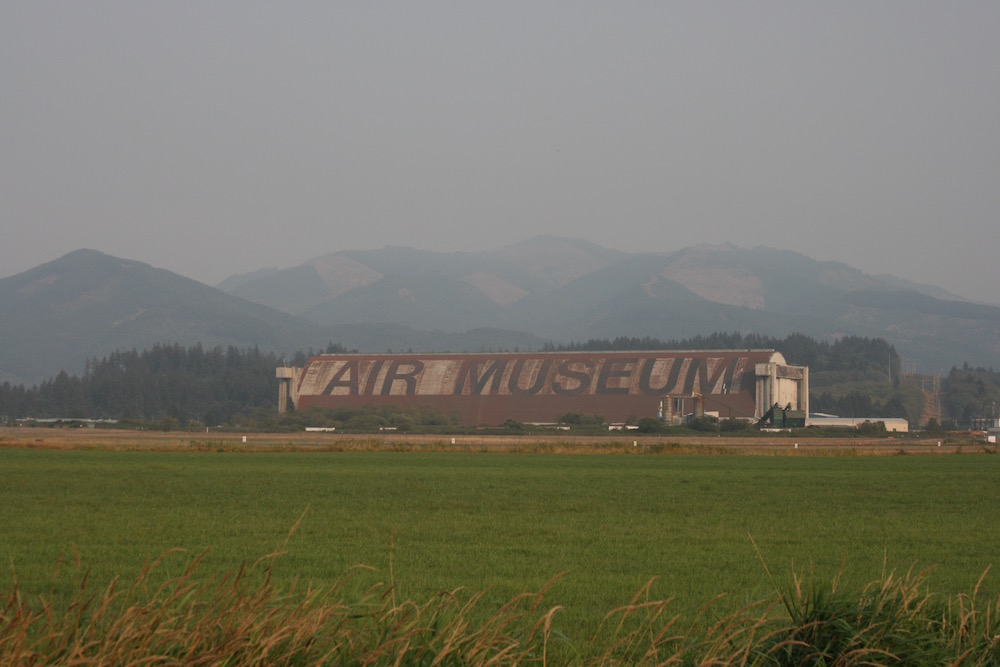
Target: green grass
x,y
506,522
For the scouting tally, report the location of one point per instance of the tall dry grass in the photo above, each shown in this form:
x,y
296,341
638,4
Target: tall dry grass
x,y
243,619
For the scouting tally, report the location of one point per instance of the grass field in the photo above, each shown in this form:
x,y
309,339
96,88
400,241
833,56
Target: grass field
x,y
507,522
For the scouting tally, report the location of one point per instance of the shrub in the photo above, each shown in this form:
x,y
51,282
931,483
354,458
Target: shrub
x,y
871,427
649,425
578,419
734,425
704,424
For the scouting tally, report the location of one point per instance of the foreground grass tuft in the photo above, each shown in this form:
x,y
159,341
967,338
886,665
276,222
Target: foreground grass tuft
x,y
890,621
242,618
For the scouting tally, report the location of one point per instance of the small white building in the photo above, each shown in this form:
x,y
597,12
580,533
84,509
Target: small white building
x,y
892,424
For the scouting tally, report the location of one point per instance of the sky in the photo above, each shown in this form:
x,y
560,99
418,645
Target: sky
x,y
217,138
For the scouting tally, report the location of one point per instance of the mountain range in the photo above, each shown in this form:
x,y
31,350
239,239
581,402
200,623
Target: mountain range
x,y
86,304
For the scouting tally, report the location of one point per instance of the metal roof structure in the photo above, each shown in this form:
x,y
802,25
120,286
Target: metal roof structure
x,y
538,387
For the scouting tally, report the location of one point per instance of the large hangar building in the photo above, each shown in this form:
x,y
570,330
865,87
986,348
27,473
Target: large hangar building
x,y
490,388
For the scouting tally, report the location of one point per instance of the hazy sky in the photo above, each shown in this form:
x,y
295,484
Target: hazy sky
x,y
213,138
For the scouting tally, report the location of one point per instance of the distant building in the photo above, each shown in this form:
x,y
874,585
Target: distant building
x,y
984,424
492,388
892,424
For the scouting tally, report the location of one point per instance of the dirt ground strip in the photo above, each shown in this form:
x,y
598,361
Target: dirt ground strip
x,y
778,443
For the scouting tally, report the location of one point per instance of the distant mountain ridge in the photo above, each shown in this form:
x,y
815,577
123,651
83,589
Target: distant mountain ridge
x,y
546,289
86,304
502,277
567,289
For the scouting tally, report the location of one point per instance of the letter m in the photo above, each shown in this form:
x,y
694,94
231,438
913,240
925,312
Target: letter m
x,y
469,377
707,384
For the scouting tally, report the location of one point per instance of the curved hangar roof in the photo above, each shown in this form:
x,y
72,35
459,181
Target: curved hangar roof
x,y
535,387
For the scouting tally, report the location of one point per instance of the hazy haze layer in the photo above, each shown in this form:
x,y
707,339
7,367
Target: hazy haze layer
x,y
218,138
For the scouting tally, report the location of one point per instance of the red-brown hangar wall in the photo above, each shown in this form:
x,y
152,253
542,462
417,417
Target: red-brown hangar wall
x,y
534,387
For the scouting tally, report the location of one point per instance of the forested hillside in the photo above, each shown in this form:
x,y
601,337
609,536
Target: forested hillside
x,y
86,304
566,289
972,394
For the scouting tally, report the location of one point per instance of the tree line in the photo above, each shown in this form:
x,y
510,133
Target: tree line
x,y
229,386
164,382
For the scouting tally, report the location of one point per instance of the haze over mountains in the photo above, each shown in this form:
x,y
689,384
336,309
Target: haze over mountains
x,y
87,304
